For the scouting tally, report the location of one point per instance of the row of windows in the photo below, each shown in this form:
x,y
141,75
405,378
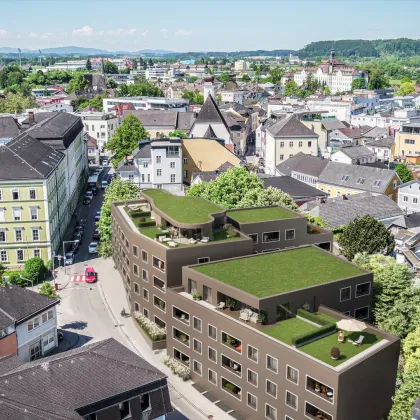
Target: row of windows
x,y
17,213
267,237
281,157
35,322
405,199
19,236
300,144
362,289
16,194
20,255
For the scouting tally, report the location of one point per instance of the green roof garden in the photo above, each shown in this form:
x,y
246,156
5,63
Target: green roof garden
x,y
183,209
279,272
261,214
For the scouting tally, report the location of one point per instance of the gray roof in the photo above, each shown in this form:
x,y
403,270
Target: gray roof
x,y
185,120
5,320
358,177
210,113
127,168
413,181
145,151
20,303
355,152
333,125
9,128
375,132
205,176
305,164
383,142
209,134
151,118
295,188
291,127
341,211
27,158
78,382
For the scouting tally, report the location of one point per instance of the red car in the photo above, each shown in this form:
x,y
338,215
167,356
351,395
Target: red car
x,y
90,275
96,234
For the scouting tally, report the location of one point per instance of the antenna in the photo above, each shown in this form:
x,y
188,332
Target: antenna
x,y
40,58
20,59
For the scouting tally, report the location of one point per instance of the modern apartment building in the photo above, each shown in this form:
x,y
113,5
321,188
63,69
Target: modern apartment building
x,y
244,296
407,140
146,102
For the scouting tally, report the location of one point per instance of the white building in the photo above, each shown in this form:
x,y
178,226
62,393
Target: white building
x,y
147,102
242,66
56,107
294,59
71,65
155,73
382,147
409,196
354,155
390,120
342,110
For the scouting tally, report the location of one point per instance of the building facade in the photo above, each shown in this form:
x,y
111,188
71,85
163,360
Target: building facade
x,y
407,140
101,126
145,102
409,196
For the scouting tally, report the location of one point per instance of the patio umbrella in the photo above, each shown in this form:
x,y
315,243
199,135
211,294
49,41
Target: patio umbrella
x,y
351,325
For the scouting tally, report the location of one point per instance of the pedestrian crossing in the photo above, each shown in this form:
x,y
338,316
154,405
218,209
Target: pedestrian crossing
x,y
78,278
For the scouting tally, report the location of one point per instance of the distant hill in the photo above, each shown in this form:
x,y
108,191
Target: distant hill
x,y
401,47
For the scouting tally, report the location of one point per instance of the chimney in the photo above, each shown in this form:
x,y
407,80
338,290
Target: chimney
x,y
31,116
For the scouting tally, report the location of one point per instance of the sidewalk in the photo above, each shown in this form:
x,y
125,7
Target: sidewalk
x,y
112,291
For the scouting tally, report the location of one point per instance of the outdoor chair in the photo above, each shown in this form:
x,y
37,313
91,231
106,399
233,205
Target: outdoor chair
x,y
221,305
161,238
244,316
205,239
255,318
192,241
358,341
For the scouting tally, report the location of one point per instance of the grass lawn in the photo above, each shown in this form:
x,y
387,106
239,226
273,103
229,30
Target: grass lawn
x,y
150,231
260,215
326,317
278,272
183,209
222,236
320,349
285,330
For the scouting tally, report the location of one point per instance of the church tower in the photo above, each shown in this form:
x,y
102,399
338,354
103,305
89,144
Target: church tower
x,y
209,87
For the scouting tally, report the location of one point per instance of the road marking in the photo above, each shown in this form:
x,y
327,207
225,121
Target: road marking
x,y
78,278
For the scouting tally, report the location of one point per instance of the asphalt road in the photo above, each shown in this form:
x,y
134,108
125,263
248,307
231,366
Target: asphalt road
x,y
82,314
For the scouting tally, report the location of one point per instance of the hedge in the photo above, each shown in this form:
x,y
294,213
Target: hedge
x,y
139,213
147,223
303,338
166,234
312,317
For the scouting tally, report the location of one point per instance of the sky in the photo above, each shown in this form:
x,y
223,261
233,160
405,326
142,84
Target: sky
x,y
200,25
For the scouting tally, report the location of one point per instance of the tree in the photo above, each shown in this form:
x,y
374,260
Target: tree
x,y
246,78
377,79
88,65
110,68
411,351
192,79
34,269
291,88
194,96
77,83
366,234
47,289
126,139
275,75
403,172
178,133
267,197
223,78
111,83
141,87
405,397
317,221
16,103
406,88
359,83
118,190
326,90
405,79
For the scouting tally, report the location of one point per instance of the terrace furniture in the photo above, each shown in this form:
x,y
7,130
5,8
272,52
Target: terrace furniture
x,y
221,305
341,337
152,217
165,239
358,341
244,316
161,238
255,318
192,241
172,244
205,239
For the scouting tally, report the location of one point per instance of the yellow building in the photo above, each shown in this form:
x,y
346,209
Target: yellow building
x,y
32,189
200,155
407,140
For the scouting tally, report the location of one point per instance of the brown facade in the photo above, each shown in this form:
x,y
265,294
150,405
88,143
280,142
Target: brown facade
x,y
8,345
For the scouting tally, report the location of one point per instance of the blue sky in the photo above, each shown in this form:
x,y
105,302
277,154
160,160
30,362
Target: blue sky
x,y
200,25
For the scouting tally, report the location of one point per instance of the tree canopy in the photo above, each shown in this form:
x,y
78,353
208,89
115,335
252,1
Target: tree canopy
x,y
110,68
291,88
77,83
403,172
140,87
267,197
47,289
177,133
406,88
194,96
359,83
88,64
16,103
34,269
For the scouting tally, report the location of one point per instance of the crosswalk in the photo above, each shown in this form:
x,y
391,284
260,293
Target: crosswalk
x,y
78,278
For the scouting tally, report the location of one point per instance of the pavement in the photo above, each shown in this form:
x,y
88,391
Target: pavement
x,y
91,312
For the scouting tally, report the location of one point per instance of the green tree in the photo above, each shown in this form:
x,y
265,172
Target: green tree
x,y
16,103
223,78
88,65
194,96
270,196
405,397
141,87
291,88
47,289
246,78
34,269
411,351
77,83
377,79
326,91
97,102
14,78
406,88
405,79
366,234
403,172
359,83
111,83
317,221
275,75
110,68
177,133
118,190
3,269
192,79
126,139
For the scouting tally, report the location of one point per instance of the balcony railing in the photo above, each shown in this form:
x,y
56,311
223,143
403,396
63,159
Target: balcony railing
x,y
232,366
320,389
181,337
328,396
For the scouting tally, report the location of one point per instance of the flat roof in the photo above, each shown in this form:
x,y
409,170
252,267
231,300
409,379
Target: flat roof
x,y
183,209
280,272
259,214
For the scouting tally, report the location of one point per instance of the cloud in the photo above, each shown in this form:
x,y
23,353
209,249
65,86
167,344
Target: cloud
x,y
83,31
183,32
144,34
3,33
117,32
45,35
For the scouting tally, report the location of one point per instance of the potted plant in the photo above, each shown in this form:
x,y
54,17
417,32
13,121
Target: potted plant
x,y
183,337
196,296
230,340
335,353
231,303
317,387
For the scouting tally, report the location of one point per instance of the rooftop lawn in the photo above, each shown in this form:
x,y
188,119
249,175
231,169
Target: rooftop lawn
x,y
285,330
183,209
279,272
260,215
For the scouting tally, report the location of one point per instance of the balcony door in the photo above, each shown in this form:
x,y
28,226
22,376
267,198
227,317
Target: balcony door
x,y
207,294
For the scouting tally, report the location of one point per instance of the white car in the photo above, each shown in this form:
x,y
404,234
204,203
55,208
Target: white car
x,y
97,216
93,248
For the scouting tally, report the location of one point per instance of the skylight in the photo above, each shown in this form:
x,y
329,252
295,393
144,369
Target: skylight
x,y
377,183
345,177
361,180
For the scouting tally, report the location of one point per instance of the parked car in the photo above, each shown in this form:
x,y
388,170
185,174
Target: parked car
x,y
93,248
105,161
86,200
104,184
74,247
90,275
96,234
78,237
97,216
89,194
80,229
94,190
69,259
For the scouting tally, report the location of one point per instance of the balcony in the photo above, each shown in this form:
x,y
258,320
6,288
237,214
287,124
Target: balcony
x,y
232,342
159,284
232,366
159,264
159,303
315,413
231,388
181,357
181,337
320,389
181,315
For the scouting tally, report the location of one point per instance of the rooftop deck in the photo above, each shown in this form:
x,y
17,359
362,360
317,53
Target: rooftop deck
x,y
264,214
288,270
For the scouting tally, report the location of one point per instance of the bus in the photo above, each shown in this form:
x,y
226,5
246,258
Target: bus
x,y
93,181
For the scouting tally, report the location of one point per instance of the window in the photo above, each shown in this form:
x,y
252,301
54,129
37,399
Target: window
x,y
136,289
309,144
3,256
158,283
271,236
345,294
414,200
197,324
252,353
300,143
15,194
2,235
185,160
158,321
159,264
158,172
290,144
362,313
270,412
197,346
33,323
135,251
20,255
291,155
186,174
292,374
212,355
158,159
32,194
48,341
252,377
34,213
281,157
252,401
377,183
35,234
207,294
1,195
409,141
145,164
145,402
136,270
272,363
2,219
281,144
159,303
197,367
363,289
291,400
146,312
271,388
192,286
254,237
290,234
212,332
144,275
136,307
144,255
203,260
172,178
35,351
16,213
145,294
405,198
172,165
125,411
47,316
212,377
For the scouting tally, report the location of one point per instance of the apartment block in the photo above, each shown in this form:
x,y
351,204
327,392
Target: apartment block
x,y
250,299
101,126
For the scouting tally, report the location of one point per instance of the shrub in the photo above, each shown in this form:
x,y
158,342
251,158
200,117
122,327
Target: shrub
x,y
303,338
177,368
153,330
229,386
335,352
230,340
312,317
142,219
47,289
147,223
34,269
14,278
166,234
139,213
196,296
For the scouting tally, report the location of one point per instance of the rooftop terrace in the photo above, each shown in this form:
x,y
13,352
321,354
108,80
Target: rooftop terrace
x,y
183,209
287,270
261,214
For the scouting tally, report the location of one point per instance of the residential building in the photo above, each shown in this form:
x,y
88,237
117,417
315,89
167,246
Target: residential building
x,y
337,76
32,317
92,149
407,140
354,155
391,120
99,125
383,148
242,66
137,390
286,138
375,133
202,155
207,176
240,338
70,65
409,196
348,136
338,179
9,129
342,110
145,102
155,73
294,59
33,194
56,107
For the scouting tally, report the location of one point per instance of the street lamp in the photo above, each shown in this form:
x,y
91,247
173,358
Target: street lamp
x,y
59,259
64,252
32,283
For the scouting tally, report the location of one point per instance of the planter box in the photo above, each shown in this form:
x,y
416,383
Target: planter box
x,y
154,345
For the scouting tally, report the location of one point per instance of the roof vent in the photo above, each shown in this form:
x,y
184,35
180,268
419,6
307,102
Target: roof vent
x,y
45,366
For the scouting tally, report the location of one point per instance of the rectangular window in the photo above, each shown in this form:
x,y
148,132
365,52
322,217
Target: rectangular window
x,y
290,234
362,313
2,219
33,323
252,377
309,144
414,200
16,214
144,275
270,412
292,374
212,332
15,194
34,213
197,367
212,377
281,144
146,312
145,164
291,155
32,194
136,289
18,234
271,388
197,346
172,165
2,235
212,355
197,324
254,237
345,294
207,294
48,341
1,195
405,199
158,159
3,256
363,289
158,321
203,260
300,143
135,251
252,353
291,400
35,234
47,316
192,286
136,307
172,178
252,401
290,144
159,284
144,255
272,363
281,157
185,160
159,303
145,294
159,264
185,174
158,172
271,236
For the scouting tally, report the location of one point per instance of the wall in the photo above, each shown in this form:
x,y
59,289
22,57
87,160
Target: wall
x,y
412,193
8,345
401,148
